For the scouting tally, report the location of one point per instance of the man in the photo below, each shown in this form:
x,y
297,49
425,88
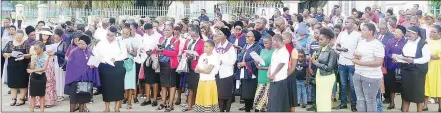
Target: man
x,y
337,16
346,44
68,32
286,14
392,23
420,16
374,16
280,28
384,35
366,18
319,15
260,26
218,13
402,17
306,14
312,11
414,21
5,28
203,16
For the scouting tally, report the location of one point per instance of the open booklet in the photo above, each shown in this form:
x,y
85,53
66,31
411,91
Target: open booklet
x,y
399,58
256,57
192,52
93,60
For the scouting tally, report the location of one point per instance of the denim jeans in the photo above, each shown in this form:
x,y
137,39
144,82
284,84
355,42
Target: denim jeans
x,y
379,101
347,74
334,90
367,91
301,92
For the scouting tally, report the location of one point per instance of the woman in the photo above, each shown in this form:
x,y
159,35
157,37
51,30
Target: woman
x,y
60,63
207,34
73,44
325,60
196,44
17,78
429,23
129,79
433,83
413,69
225,79
261,96
37,82
5,41
78,71
393,46
137,38
180,79
368,60
208,66
238,37
247,70
111,70
51,94
168,62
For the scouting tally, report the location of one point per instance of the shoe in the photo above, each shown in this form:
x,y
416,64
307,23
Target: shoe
x,y
161,107
242,109
354,108
304,106
155,103
124,101
341,106
391,106
439,110
135,100
146,103
14,101
97,93
178,102
426,109
186,110
169,108
312,108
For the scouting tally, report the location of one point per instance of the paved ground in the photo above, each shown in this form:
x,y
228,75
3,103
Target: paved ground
x,y
98,105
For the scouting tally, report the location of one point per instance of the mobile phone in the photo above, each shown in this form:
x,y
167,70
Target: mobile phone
x,y
159,46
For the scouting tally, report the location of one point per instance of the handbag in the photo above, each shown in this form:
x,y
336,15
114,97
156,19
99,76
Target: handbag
x,y
128,64
84,87
183,66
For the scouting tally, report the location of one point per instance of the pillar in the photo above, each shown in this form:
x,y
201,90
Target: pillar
x,y
19,9
42,10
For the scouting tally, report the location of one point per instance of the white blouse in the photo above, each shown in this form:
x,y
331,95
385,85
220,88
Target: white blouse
x,y
150,42
280,56
108,50
409,50
227,61
204,61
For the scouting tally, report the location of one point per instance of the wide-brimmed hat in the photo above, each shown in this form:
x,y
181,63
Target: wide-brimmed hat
x,y
45,30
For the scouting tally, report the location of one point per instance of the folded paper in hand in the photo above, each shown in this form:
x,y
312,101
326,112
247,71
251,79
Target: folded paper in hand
x,y
16,54
399,58
95,61
140,57
256,57
192,52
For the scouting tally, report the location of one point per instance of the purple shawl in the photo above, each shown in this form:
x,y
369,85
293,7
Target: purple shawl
x,y
77,68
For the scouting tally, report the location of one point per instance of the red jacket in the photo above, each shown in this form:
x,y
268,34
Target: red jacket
x,y
199,48
173,54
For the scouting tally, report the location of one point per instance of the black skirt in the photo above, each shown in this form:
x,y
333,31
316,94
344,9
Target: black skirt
x,y
112,81
37,84
192,80
413,79
248,88
390,82
167,76
77,98
17,75
292,90
277,97
225,87
137,67
151,77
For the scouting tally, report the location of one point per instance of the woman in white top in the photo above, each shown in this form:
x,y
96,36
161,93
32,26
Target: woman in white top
x,y
208,66
129,79
368,59
136,43
225,78
112,72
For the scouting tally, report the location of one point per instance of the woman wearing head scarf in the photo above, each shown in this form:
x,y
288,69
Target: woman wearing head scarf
x,y
112,72
37,80
168,50
433,77
17,78
247,71
237,38
77,71
413,69
51,95
196,44
225,79
73,43
393,46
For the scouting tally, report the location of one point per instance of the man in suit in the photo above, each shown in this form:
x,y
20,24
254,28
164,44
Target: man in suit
x,y
414,21
384,35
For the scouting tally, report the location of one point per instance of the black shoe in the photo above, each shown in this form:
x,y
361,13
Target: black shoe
x,y
146,103
391,106
312,108
97,93
425,109
161,107
124,101
439,110
135,100
341,106
155,103
242,109
354,108
303,106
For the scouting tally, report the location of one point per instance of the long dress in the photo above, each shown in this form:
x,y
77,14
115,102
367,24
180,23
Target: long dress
x,y
17,75
130,78
261,96
433,77
51,94
60,73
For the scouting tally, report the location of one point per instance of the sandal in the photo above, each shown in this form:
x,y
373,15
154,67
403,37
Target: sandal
x,y
186,110
161,107
169,109
48,106
129,107
23,101
14,102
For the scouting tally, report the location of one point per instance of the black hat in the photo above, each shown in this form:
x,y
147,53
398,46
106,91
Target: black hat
x,y
29,30
69,23
238,23
148,26
285,9
414,30
76,35
113,29
403,29
226,31
257,35
85,38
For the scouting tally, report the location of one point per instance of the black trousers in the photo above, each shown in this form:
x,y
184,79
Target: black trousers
x,y
225,105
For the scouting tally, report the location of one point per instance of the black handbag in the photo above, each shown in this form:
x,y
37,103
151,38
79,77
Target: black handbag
x,y
84,87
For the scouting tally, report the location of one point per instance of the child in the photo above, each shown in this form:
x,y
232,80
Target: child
x,y
301,74
37,82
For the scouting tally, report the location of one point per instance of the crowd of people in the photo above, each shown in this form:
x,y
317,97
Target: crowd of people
x,y
274,65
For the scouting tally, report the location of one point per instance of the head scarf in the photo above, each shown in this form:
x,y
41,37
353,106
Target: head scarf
x,y
257,35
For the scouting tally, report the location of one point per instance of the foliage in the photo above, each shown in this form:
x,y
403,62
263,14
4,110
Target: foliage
x,y
435,3
25,3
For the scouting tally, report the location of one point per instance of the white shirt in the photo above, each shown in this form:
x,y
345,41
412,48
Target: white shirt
x,y
107,51
348,41
137,41
204,61
227,60
182,39
368,52
150,42
280,56
409,50
101,34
